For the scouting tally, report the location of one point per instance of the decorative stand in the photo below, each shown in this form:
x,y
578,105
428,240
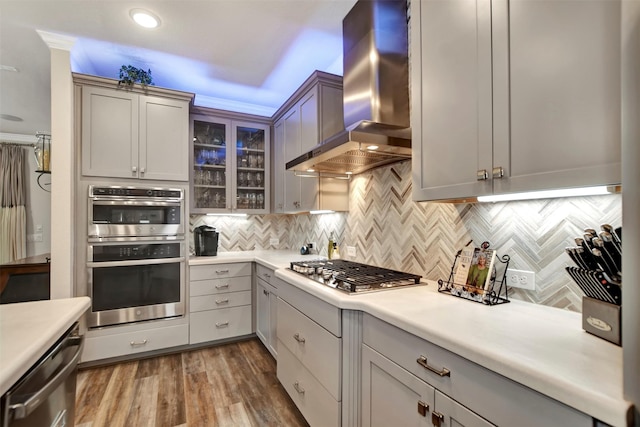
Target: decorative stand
x,y
492,297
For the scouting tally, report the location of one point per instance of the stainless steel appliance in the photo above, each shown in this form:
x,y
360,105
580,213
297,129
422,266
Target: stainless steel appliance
x,y
136,263
45,396
376,93
353,277
205,240
116,211
135,280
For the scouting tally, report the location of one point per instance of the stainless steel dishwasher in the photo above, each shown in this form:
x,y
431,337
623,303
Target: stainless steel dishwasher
x,y
45,395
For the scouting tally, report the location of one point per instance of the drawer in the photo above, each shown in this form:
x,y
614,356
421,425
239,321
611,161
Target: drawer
x,y
316,348
214,302
216,286
317,406
103,347
264,273
492,396
219,271
215,325
323,313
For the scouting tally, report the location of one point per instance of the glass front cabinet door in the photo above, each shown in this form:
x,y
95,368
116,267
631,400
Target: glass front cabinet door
x,y
230,172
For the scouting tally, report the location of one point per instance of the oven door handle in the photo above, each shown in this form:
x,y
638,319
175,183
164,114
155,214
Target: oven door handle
x,y
134,262
24,409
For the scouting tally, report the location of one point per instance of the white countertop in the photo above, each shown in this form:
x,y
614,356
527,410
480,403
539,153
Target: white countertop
x,y
29,329
541,347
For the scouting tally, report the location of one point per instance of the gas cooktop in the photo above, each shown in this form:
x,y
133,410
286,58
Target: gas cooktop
x,y
353,277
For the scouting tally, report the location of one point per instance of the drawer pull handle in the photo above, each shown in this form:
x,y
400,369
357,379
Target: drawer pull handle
x,y
222,324
299,389
137,343
268,276
222,271
422,361
226,285
222,301
264,291
297,337
423,408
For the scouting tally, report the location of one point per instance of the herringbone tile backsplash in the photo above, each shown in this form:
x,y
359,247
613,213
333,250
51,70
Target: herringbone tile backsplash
x,y
389,229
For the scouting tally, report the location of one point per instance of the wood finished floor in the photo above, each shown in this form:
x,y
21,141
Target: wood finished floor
x,y
227,385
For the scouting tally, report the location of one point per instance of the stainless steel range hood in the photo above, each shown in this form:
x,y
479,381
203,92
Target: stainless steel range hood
x,y
376,93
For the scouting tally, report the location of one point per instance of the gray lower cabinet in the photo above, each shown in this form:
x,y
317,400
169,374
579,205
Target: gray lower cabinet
x,y
404,377
266,298
392,395
310,354
219,301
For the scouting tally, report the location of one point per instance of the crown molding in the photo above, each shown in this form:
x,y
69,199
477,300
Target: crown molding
x,y
57,41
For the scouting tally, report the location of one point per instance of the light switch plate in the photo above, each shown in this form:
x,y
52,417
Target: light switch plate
x,y
351,251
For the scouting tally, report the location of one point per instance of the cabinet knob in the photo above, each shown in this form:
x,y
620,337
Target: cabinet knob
x,y
134,169
497,172
297,337
437,418
423,408
298,388
481,175
264,291
142,171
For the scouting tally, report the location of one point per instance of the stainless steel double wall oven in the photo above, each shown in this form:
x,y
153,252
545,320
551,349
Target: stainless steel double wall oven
x,y
136,260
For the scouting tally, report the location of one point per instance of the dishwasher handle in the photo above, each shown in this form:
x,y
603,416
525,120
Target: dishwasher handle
x,y
24,409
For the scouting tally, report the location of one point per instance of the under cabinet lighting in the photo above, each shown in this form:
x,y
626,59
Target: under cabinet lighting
x,y
372,147
144,18
228,214
550,194
321,211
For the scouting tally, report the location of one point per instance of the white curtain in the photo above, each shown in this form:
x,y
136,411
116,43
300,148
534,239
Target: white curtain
x,y
13,196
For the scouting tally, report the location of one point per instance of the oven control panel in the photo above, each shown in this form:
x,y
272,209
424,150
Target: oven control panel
x,y
114,191
104,253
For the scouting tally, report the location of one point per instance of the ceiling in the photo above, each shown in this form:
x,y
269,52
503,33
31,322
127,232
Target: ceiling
x,y
238,55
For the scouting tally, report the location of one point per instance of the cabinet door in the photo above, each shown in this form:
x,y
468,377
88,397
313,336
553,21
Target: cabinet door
x,y
273,322
251,181
291,138
164,139
262,312
556,93
109,133
452,414
391,396
309,132
451,98
279,171
211,164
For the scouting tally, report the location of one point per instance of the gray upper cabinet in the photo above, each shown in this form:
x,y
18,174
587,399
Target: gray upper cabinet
x,y
511,96
140,134
312,114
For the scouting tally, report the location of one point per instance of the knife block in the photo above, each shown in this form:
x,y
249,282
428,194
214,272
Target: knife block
x,y
602,319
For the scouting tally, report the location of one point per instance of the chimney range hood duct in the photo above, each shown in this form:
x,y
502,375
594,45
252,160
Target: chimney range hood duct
x,y
376,93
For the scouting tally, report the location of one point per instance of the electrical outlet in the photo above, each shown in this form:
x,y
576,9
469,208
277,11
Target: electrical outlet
x,y
351,251
521,279
274,242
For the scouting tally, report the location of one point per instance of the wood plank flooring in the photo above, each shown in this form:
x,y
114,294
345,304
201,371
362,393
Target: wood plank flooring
x,y
228,385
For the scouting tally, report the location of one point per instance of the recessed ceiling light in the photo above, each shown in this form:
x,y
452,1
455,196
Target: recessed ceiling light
x,y
144,18
8,68
10,118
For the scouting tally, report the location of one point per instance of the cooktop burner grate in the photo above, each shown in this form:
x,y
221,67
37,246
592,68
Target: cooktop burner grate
x,y
353,276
